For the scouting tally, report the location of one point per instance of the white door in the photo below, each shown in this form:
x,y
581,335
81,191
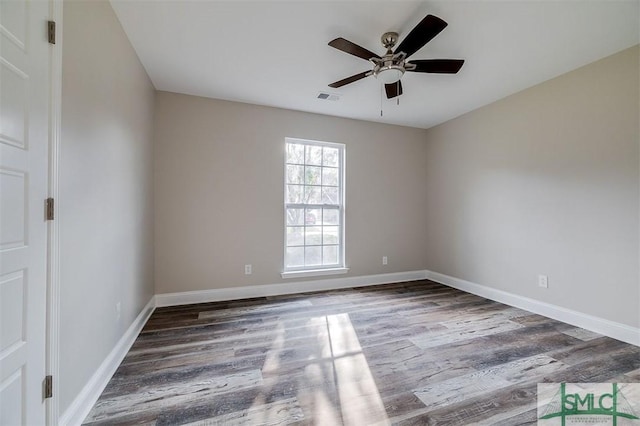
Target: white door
x,y
24,139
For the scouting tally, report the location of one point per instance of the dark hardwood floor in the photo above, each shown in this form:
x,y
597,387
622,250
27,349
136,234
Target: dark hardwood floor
x,y
408,354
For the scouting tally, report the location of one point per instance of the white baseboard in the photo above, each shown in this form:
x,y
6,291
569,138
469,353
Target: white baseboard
x,y
602,326
235,293
82,404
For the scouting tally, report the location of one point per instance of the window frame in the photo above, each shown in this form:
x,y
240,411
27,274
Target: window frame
x,y
317,270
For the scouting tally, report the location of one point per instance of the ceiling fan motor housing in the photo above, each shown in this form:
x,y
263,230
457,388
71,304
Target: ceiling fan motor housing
x,y
390,68
389,39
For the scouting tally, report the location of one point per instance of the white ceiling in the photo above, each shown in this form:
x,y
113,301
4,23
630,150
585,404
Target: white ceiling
x,y
275,53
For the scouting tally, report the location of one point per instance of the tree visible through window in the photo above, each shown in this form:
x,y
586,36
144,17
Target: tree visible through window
x,y
314,182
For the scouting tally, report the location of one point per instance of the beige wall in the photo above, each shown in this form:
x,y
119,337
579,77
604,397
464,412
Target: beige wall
x,y
220,204
106,191
545,182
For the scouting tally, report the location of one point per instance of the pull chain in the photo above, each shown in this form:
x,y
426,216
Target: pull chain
x,y
397,96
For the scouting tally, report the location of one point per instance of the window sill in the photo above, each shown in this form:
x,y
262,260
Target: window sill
x,y
314,273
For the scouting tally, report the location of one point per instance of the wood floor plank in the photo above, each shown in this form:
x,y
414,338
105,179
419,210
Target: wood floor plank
x,y
633,376
456,332
490,408
283,412
485,381
163,395
404,353
582,334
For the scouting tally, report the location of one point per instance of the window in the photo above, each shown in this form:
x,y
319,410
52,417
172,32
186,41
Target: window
x,y
314,207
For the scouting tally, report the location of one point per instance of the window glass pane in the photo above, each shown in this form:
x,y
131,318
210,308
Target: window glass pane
x,y
313,235
314,155
295,236
330,216
295,257
313,217
330,235
330,157
294,194
329,176
330,255
313,175
313,256
295,153
312,195
295,174
295,216
329,195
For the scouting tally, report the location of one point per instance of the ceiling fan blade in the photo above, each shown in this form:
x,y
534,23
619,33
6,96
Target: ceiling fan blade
x,y
441,66
351,79
427,29
393,89
352,49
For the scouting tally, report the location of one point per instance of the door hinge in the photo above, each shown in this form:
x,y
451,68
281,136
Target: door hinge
x,y
48,387
51,31
49,209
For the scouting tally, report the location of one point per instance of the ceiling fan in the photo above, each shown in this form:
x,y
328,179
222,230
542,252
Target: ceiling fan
x,y
392,66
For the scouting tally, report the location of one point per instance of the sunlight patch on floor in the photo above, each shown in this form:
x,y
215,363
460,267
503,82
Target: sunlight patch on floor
x,y
336,385
359,397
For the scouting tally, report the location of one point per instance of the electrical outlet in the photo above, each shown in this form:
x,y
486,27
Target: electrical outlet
x,y
384,260
247,269
118,310
543,281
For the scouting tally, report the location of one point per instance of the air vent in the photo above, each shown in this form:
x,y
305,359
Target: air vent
x,y
328,96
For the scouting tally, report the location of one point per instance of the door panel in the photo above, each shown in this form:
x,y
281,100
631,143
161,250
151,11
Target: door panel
x,y
24,139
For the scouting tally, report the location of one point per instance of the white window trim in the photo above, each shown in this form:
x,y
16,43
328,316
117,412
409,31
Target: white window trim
x,y
314,272
318,270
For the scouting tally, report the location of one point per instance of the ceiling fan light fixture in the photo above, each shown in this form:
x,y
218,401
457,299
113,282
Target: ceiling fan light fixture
x,y
389,74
